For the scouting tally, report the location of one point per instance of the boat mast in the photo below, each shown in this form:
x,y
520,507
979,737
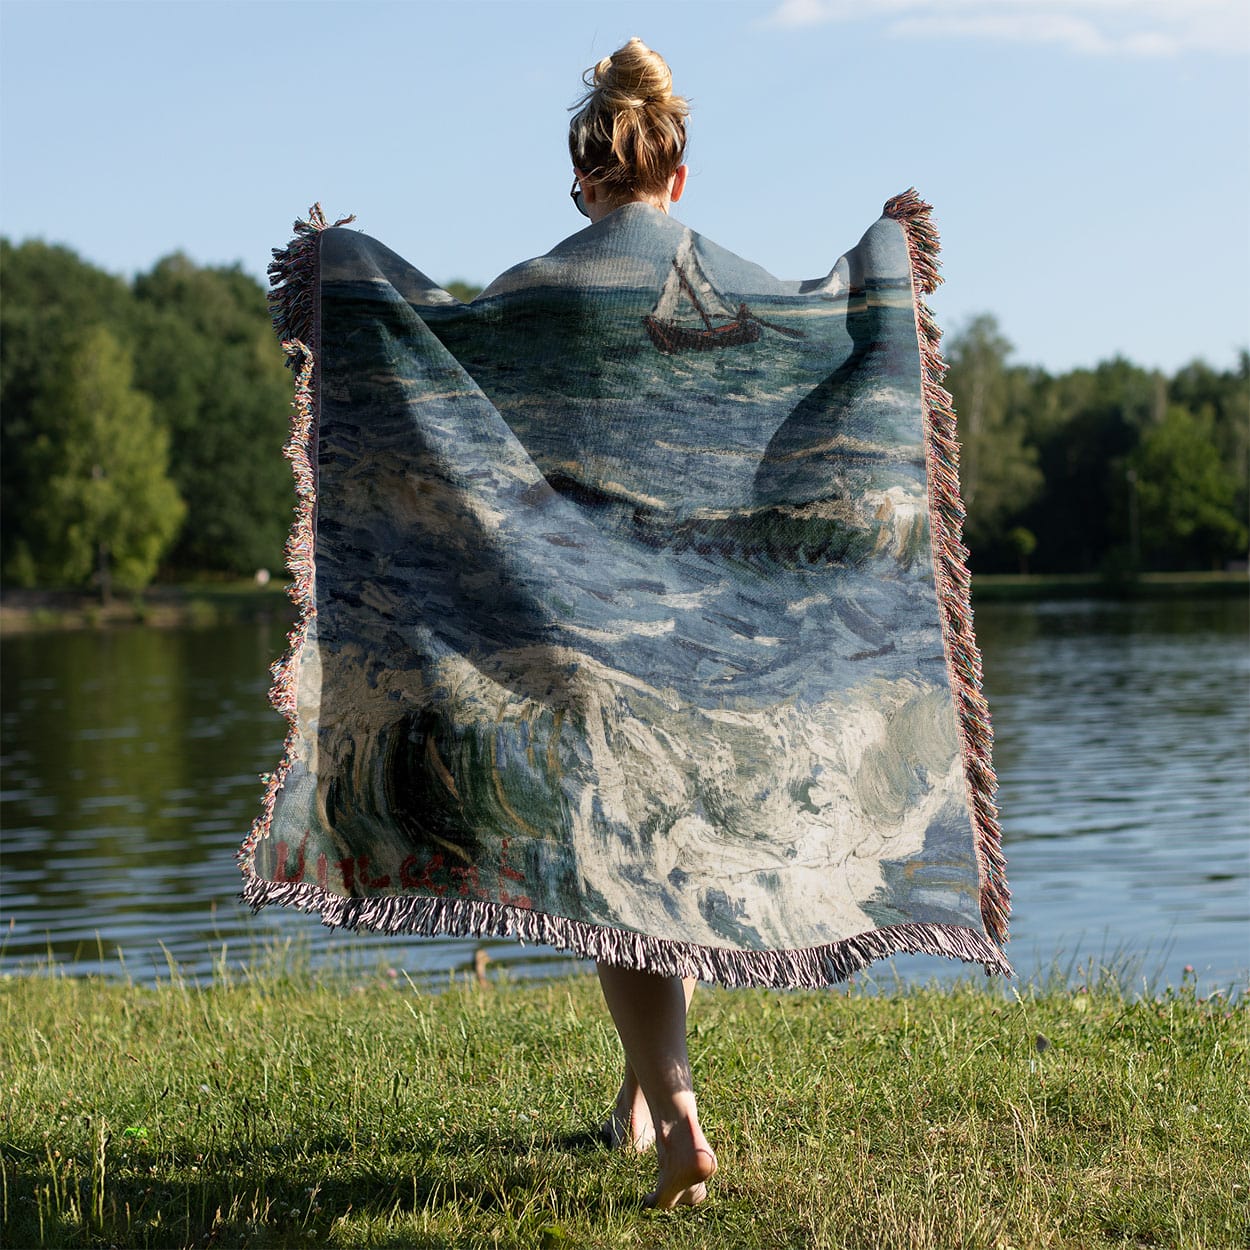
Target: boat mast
x,y
689,290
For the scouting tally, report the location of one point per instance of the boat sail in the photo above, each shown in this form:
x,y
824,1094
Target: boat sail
x,y
722,326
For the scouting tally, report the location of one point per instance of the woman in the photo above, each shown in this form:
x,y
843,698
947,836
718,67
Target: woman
x,y
628,141
639,624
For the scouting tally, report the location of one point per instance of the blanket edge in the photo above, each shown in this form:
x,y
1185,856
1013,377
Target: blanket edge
x,y
808,968
294,304
950,565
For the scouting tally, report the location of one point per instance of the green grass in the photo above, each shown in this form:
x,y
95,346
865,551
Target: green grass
x,y
287,1109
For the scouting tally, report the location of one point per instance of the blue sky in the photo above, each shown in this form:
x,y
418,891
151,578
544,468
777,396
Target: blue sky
x,y
1089,160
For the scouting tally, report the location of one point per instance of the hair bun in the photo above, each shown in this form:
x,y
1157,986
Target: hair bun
x,y
633,77
630,129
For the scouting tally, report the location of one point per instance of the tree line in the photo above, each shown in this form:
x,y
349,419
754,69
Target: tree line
x,y
1113,470
142,424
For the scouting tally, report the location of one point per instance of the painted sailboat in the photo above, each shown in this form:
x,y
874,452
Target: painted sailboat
x,y
722,326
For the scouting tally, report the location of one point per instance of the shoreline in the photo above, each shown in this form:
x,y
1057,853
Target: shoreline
x,y
1019,587
205,604
173,606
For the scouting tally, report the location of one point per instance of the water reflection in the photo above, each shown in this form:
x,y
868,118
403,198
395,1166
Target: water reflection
x,y
1123,731
131,762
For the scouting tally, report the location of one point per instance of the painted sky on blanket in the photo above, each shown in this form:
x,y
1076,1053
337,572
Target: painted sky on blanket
x,y
1087,158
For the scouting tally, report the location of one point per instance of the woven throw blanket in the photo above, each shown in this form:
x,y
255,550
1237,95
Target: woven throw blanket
x,y
634,616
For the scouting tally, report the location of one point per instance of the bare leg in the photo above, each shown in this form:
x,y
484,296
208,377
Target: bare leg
x,y
650,1015
629,1125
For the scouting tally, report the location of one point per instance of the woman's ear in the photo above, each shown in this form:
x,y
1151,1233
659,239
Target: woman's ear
x,y
588,186
678,184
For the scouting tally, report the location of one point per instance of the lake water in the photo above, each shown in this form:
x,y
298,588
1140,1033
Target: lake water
x,y
130,762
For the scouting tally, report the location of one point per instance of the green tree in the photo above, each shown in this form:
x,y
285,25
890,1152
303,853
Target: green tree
x,y
997,466
208,358
51,297
1085,424
104,505
1024,543
1185,495
464,291
1221,397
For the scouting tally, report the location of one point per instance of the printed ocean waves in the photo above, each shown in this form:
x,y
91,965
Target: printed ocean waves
x,y
801,299
587,584
681,614
840,501
498,501
587,335
490,757
617,579
683,618
730,435
495,546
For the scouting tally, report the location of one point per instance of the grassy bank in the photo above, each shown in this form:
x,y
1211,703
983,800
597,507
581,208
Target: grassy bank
x,y
292,1111
999,587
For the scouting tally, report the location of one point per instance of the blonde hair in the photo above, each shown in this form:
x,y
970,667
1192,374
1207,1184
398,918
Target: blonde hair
x,y
629,133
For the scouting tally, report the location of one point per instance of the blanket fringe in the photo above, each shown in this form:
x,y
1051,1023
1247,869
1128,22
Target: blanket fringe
x,y
294,276
951,565
810,968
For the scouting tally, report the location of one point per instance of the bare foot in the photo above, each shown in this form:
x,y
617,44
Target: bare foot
x,y
686,1165
629,1126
